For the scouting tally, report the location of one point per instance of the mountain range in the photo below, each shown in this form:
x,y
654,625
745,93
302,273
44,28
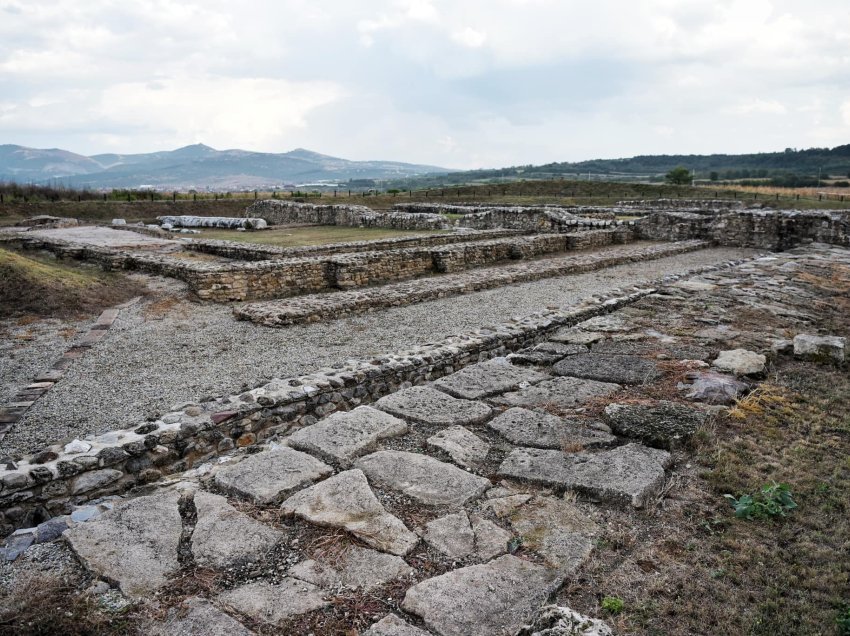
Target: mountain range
x,y
196,166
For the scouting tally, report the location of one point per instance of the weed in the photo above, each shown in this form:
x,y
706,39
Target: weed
x,y
774,500
843,621
613,604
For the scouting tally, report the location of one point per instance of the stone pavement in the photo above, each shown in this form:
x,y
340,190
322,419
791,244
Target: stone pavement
x,y
460,507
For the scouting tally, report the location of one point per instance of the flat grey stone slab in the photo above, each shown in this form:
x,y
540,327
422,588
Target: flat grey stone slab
x,y
651,347
274,603
426,405
463,446
461,536
609,368
554,620
224,537
712,387
343,437
346,501
630,474
546,353
607,323
197,617
357,568
270,476
490,539
134,544
740,362
663,424
541,430
573,335
492,599
423,478
487,378
392,625
562,393
557,530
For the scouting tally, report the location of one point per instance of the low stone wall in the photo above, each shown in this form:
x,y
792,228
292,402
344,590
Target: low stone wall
x,y
477,208
248,223
682,204
535,220
288,212
256,252
763,229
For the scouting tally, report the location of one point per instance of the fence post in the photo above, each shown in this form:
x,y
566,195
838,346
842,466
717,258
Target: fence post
x,y
1,197
820,197
128,197
255,195
174,196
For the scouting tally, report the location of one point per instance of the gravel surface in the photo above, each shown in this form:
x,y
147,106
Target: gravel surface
x,y
160,355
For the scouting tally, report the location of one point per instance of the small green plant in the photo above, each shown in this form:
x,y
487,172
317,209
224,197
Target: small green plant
x,y
843,621
613,604
774,500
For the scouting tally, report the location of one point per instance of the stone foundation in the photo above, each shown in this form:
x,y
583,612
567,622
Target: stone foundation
x,y
286,213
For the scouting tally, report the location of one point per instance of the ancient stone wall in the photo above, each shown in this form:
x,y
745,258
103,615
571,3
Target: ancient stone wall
x,y
476,208
681,204
764,229
534,220
288,212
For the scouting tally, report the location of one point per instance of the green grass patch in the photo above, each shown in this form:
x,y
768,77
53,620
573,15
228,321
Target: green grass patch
x,y
309,235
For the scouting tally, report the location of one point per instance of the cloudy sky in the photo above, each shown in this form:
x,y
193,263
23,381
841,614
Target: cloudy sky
x,y
455,83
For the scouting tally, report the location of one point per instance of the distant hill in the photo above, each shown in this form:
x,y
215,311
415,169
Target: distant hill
x,y
811,162
196,166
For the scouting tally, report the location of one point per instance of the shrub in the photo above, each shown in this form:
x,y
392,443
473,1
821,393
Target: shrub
x,y
774,500
613,604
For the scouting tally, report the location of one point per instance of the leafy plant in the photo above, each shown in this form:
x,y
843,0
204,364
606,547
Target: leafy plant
x,y
613,604
843,621
774,500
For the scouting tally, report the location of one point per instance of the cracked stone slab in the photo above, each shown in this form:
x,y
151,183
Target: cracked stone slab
x,y
541,430
423,478
464,447
621,369
346,501
459,536
630,474
662,424
557,530
392,625
357,568
343,437
426,405
490,539
488,378
274,603
492,599
546,353
563,393
197,617
270,476
224,537
134,544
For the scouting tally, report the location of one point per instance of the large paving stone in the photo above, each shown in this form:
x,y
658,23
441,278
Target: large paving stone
x,y
563,393
541,430
651,347
557,530
134,544
630,474
712,387
546,353
270,476
573,335
346,501
428,480
487,378
224,537
464,447
357,568
343,437
197,617
274,603
820,347
664,424
609,368
493,599
459,536
426,405
392,625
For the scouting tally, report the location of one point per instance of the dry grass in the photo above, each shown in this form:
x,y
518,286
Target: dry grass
x,y
36,287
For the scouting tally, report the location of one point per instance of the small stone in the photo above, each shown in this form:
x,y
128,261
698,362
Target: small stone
x,y
94,480
18,542
425,405
270,476
274,603
712,387
740,362
392,625
553,620
423,478
782,347
464,447
51,529
76,447
43,457
820,347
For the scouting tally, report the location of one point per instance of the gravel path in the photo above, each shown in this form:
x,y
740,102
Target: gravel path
x,y
161,355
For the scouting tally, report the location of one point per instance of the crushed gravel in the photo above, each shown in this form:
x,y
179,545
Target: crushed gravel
x,y
160,353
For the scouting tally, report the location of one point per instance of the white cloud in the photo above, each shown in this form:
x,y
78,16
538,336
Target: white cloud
x,y
758,106
469,37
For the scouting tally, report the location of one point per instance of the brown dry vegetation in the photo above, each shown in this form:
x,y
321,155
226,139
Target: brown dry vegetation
x,y
45,287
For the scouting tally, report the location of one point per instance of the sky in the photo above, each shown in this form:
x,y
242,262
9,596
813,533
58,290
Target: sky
x,y
455,83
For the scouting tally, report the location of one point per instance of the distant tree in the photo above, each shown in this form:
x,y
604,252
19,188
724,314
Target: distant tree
x,y
678,176
714,176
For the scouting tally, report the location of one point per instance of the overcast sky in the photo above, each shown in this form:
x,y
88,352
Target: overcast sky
x,y
455,83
